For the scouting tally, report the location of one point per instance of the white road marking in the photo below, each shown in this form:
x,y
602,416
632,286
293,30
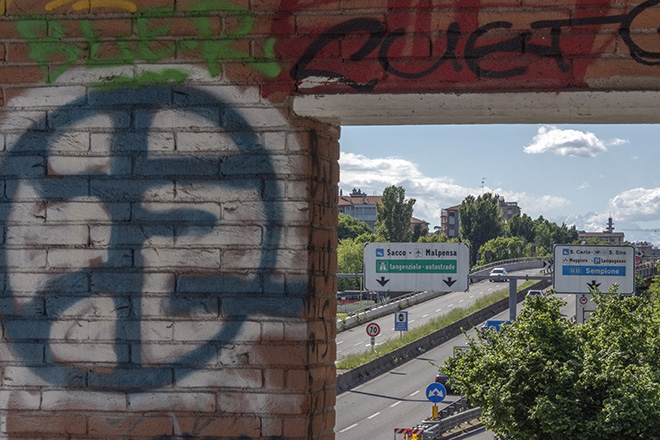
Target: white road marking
x,y
450,305
461,301
437,310
395,404
424,316
350,427
411,321
416,392
372,416
340,342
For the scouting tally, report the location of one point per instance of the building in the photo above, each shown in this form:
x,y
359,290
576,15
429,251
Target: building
x,y
359,206
608,235
509,209
449,222
363,207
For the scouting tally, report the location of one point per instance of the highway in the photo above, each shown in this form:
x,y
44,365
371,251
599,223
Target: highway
x,y
397,399
355,340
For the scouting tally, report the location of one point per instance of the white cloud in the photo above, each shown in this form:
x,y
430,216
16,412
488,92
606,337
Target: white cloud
x,y
638,204
569,143
432,194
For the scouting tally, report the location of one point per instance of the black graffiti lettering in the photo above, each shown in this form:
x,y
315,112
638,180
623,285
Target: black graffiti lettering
x,y
376,32
640,55
474,53
453,34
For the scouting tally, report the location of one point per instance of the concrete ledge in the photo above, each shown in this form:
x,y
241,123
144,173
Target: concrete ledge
x,y
363,373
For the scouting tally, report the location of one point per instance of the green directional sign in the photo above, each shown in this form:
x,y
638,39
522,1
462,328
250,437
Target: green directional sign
x,y
402,267
416,266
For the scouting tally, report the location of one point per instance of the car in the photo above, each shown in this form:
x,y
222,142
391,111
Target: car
x,y
443,379
535,293
498,274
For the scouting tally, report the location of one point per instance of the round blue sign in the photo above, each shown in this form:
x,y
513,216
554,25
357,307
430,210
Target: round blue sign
x,y
436,392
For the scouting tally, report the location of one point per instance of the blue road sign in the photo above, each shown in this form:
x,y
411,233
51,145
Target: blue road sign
x,y
400,321
436,392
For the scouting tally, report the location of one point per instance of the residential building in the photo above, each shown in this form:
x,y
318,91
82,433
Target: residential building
x,y
509,209
359,206
449,222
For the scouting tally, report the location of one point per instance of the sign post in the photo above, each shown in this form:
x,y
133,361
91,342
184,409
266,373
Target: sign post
x,y
581,268
401,267
401,322
436,393
373,330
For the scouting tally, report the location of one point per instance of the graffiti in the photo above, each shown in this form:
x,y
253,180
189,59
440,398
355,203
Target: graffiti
x,y
148,235
47,45
475,53
82,5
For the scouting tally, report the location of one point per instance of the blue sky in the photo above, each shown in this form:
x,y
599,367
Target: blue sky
x,y
575,173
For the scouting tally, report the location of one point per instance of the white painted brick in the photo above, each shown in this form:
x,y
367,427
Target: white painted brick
x,y
27,282
210,141
129,236
157,141
173,119
297,189
71,330
48,97
83,401
227,377
84,353
27,213
194,331
164,207
156,331
21,120
20,399
229,94
195,307
296,237
47,235
158,282
218,192
26,258
65,165
92,210
295,331
151,402
79,258
257,118
94,307
163,353
248,235
274,140
17,376
181,258
236,259
272,330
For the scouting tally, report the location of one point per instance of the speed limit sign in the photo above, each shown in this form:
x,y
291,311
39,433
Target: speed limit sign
x,y
373,329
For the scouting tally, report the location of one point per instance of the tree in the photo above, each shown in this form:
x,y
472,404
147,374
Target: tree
x,y
501,248
419,231
349,227
393,215
521,226
545,378
350,259
480,220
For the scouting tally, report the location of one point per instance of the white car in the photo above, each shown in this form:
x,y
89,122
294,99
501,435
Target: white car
x,y
498,274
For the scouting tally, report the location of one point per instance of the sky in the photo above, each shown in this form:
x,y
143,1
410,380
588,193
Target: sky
x,y
577,174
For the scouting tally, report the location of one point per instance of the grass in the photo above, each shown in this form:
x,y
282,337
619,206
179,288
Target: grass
x,y
356,359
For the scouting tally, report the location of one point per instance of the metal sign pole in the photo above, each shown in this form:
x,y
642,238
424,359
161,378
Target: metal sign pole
x,y
513,299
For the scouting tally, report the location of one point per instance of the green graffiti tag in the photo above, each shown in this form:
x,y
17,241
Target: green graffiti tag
x,y
48,45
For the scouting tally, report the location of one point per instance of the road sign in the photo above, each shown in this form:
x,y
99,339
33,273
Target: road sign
x,y
436,392
405,267
401,321
580,268
373,329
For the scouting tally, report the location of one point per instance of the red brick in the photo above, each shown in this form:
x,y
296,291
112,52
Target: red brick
x,y
220,427
122,426
295,5
296,427
188,5
13,74
315,25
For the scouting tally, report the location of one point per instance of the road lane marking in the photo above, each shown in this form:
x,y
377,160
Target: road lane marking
x,y
461,301
395,404
414,393
350,427
450,305
340,342
411,321
437,310
372,416
425,315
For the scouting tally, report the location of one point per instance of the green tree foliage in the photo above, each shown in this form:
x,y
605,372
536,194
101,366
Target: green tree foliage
x,y
349,227
393,215
433,238
501,248
480,220
521,226
545,378
419,231
350,258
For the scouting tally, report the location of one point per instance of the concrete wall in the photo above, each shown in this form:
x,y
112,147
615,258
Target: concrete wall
x,y
168,204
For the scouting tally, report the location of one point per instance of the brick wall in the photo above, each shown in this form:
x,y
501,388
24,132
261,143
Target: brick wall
x,y
168,222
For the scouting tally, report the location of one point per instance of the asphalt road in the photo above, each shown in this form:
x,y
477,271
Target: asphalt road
x,y
356,339
397,399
